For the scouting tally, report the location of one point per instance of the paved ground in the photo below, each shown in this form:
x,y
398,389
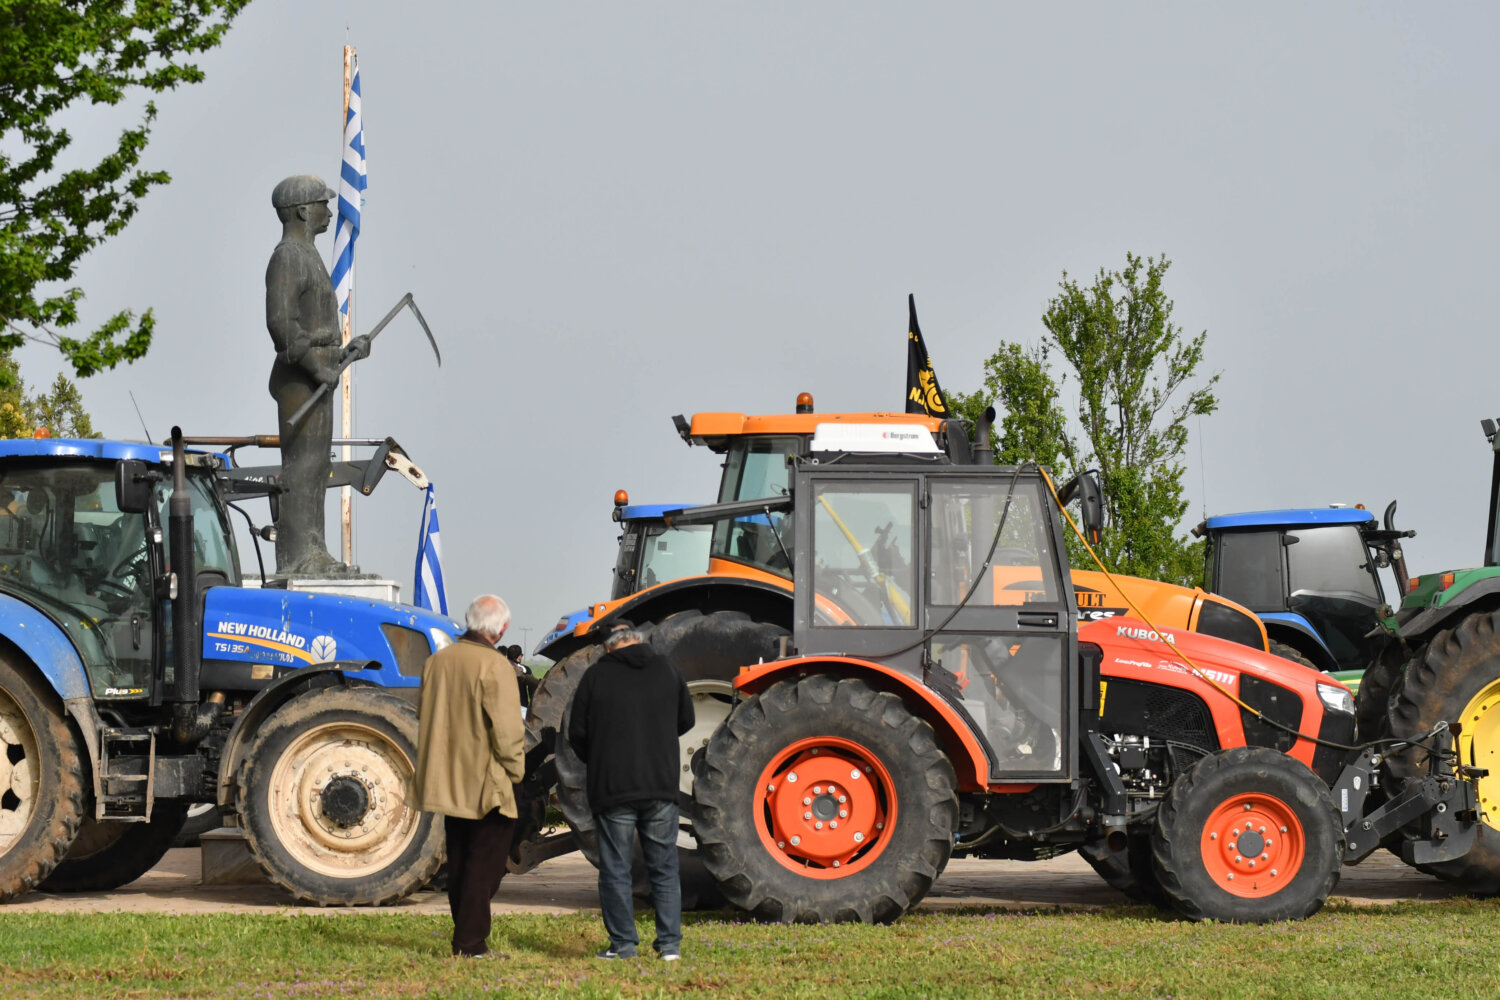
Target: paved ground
x,y
566,885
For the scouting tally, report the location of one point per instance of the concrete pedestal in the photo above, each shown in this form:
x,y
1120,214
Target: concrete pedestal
x,y
227,859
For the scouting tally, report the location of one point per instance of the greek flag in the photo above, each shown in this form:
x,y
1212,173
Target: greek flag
x,y
351,196
428,591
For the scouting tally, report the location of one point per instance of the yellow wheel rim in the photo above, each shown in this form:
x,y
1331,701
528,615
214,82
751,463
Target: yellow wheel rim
x,y
1479,746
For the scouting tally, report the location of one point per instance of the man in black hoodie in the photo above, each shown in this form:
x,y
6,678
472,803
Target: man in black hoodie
x,y
629,709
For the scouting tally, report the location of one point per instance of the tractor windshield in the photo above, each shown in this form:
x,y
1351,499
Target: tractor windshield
x,y
755,468
214,550
1331,581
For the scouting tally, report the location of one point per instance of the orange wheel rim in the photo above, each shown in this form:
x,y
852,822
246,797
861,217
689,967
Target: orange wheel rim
x,y
825,807
1253,845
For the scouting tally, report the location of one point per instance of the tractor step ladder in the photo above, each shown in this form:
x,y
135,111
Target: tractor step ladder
x,y
126,796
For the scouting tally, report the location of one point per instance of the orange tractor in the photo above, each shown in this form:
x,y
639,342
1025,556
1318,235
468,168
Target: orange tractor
x,y
934,694
737,607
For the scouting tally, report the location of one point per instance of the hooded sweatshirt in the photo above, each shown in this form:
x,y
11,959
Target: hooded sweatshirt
x,y
629,709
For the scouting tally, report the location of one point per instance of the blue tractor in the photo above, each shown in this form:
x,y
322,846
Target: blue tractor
x,y
140,676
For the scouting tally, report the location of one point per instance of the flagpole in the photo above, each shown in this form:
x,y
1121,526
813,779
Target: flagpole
x,y
346,495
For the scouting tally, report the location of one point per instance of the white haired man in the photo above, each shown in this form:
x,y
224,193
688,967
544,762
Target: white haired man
x,y
626,716
469,757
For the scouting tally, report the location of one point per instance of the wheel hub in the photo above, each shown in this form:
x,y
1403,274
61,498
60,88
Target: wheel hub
x,y
345,800
826,805
18,778
1479,746
1253,845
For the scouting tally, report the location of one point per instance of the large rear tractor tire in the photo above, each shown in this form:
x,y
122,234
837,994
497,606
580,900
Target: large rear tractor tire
x,y
1457,680
41,783
1248,835
324,799
108,855
708,650
824,799
1372,702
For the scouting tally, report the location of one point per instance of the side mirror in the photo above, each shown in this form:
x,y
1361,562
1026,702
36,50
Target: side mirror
x,y
133,486
1085,488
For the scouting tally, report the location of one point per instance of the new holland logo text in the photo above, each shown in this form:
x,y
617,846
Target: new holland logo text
x,y
1131,632
262,632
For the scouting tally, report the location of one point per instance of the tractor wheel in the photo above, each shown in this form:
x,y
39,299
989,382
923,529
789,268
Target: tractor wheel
x,y
1457,679
1247,835
41,783
323,799
1372,700
1286,652
824,799
708,650
108,855
1129,870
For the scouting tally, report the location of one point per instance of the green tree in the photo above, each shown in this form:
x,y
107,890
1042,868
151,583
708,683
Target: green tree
x,y
60,410
53,56
1114,346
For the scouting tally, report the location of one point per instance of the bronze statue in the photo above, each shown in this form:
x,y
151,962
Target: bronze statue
x,y
302,316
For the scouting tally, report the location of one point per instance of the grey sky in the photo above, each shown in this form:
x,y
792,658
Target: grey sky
x,y
611,213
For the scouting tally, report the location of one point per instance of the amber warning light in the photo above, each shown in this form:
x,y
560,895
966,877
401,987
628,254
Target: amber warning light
x,y
804,402
621,498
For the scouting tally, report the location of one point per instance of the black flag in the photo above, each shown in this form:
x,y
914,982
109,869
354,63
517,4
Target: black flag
x,y
922,392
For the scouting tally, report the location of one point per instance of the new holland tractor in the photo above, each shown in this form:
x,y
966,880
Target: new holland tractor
x,y
139,676
937,696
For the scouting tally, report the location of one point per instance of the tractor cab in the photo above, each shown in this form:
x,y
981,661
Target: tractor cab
x,y
69,550
1312,574
955,576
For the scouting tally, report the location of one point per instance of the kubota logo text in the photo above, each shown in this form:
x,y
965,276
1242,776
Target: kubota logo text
x,y
1131,632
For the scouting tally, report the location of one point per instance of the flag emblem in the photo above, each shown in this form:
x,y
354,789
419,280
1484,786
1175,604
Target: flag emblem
x,y
352,184
923,395
428,591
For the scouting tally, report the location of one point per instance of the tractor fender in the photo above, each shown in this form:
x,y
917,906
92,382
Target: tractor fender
x,y
970,762
1297,632
1481,595
38,638
267,702
760,599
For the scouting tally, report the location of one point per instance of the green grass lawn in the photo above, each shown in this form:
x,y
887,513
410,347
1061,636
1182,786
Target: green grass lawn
x,y
1412,950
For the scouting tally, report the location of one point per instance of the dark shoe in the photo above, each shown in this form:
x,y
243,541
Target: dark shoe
x,y
611,953
483,954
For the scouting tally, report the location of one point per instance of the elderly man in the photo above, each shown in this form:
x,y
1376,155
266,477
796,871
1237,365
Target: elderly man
x,y
469,757
625,719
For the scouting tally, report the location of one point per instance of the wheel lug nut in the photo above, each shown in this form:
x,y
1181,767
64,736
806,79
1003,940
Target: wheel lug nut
x,y
807,815
1273,871
1247,807
817,789
835,864
796,841
1238,860
770,788
854,775
859,838
791,776
1265,857
1283,829
818,825
833,824
807,801
1213,836
843,814
843,798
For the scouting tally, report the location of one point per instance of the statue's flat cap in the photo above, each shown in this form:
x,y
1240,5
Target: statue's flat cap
x,y
300,189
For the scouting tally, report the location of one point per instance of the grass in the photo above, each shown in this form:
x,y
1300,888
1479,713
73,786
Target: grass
x,y
1440,949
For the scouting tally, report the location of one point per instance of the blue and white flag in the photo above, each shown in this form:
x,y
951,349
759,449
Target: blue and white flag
x,y
351,196
428,591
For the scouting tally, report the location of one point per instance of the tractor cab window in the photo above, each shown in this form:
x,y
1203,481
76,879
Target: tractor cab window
x,y
755,468
975,523
672,553
862,554
1332,583
214,550
67,550
1249,569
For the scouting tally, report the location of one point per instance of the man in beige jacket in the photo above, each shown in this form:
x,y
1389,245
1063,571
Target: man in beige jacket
x,y
468,758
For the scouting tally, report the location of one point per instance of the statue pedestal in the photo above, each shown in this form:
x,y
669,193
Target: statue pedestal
x,y
348,586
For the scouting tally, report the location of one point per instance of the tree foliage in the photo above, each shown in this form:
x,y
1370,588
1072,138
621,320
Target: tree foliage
x,y
60,410
1113,346
55,56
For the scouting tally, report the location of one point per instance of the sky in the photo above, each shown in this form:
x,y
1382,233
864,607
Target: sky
x,y
611,213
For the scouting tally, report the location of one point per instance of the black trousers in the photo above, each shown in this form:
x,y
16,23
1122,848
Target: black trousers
x,y
477,849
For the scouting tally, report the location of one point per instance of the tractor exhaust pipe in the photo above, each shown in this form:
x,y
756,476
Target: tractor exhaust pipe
x,y
182,585
984,450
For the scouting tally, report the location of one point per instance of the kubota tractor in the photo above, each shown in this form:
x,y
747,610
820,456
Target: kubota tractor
x,y
937,696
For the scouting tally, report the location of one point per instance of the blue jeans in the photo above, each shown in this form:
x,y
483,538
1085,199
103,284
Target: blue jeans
x,y
656,822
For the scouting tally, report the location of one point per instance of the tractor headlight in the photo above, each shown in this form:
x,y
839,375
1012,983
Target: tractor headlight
x,y
440,639
1336,698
